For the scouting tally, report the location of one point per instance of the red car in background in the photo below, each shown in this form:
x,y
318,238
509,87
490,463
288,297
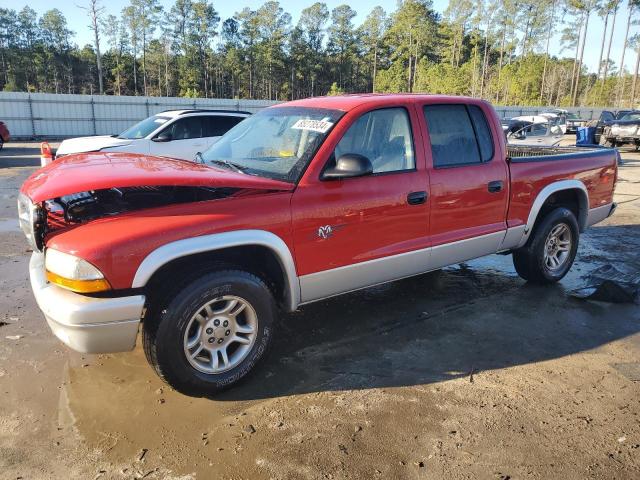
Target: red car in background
x,y
4,134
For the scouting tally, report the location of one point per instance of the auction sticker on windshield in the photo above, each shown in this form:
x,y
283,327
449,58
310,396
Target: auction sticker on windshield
x,y
320,126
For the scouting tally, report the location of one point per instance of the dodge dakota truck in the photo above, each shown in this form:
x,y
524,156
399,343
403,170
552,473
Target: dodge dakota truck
x,y
303,201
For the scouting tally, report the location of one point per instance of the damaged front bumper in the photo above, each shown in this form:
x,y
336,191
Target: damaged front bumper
x,y
86,324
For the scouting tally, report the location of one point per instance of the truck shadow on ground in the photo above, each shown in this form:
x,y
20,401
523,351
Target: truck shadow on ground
x,y
443,325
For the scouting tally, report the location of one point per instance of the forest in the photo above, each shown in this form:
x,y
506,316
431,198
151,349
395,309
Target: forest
x,y
499,50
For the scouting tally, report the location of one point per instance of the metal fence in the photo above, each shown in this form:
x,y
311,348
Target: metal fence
x,y
585,113
46,115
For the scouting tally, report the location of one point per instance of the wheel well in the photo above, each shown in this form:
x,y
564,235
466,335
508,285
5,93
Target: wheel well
x,y
572,199
259,260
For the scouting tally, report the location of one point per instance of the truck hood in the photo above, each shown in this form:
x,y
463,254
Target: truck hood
x,y
90,144
102,170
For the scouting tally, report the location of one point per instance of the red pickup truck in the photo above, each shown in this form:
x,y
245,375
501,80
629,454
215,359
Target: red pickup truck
x,y
302,201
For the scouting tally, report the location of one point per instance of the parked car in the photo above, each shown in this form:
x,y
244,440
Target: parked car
x,y
4,134
623,130
534,130
174,133
302,201
573,122
556,119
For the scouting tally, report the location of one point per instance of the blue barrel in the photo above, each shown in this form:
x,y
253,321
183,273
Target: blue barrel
x,y
585,135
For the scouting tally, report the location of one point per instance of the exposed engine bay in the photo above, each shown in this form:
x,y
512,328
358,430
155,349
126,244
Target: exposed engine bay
x,y
86,206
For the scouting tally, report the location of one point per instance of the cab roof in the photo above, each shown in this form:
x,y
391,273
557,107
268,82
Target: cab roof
x,y
351,101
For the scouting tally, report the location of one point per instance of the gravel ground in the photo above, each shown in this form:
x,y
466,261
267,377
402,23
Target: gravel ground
x,y
465,373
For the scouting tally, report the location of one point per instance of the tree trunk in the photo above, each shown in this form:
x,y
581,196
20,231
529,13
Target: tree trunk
x,y
620,92
575,59
502,42
135,71
579,70
96,33
144,63
546,51
635,78
606,61
604,36
484,58
375,68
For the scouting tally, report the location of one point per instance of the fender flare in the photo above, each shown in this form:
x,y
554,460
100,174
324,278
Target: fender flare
x,y
217,241
549,190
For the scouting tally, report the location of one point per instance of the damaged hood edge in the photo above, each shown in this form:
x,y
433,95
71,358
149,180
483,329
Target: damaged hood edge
x,y
101,170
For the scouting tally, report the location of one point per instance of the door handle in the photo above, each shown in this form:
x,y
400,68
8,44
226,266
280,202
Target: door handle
x,y
416,198
495,186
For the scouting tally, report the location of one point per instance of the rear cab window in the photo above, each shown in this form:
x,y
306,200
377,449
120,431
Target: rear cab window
x,y
459,135
218,125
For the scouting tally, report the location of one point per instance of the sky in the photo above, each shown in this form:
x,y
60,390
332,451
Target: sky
x,y
78,21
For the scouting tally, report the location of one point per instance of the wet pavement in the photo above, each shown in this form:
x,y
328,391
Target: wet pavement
x,y
464,373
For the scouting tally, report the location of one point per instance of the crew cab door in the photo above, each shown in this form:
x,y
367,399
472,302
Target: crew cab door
x,y
353,232
184,141
469,182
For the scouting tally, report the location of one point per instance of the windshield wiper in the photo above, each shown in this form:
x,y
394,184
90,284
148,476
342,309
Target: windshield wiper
x,y
230,165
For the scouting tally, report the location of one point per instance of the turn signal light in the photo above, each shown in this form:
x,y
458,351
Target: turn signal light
x,y
79,286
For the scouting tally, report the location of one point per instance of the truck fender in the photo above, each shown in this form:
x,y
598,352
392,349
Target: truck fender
x,y
543,196
207,243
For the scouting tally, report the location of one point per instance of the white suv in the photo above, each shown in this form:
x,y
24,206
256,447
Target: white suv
x,y
174,133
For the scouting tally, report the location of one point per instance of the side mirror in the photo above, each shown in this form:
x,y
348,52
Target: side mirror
x,y
162,137
199,158
349,165
519,136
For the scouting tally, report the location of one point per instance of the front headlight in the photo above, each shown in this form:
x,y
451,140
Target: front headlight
x,y
31,219
73,273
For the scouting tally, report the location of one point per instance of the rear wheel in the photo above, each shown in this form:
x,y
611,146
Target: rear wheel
x,y
212,332
550,251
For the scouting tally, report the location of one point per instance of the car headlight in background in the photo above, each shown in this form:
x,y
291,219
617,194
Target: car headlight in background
x,y
73,273
31,219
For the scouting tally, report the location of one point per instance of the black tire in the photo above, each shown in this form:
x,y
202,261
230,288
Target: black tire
x,y
529,261
164,334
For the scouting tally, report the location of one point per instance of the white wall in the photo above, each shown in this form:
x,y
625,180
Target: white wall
x,y
51,115
48,115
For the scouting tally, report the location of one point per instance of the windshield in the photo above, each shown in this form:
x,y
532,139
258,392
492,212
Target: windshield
x,y
144,128
276,143
572,116
631,116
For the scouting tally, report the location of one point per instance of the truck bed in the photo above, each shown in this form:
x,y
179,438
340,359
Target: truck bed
x,y
534,153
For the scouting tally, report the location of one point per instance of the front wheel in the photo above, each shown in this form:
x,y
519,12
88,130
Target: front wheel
x,y
212,333
550,251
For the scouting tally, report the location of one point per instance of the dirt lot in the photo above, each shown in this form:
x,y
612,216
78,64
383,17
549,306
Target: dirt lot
x,y
466,373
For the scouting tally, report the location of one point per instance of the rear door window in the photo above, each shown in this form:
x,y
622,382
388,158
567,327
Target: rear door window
x,y
186,128
452,135
483,132
218,125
